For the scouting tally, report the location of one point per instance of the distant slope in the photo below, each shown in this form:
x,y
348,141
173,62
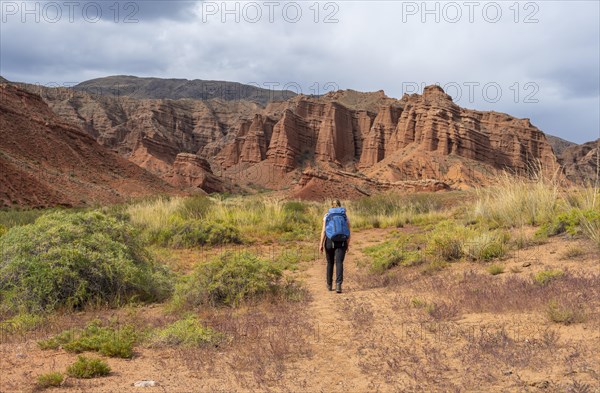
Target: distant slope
x,y
45,161
157,88
581,162
559,145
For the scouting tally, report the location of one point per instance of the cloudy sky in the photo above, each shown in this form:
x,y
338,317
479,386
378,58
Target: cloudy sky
x,y
534,59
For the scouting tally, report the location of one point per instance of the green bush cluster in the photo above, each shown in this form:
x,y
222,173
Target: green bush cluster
x,y
193,233
187,332
570,222
446,241
3,230
392,253
229,279
546,276
23,322
48,380
109,341
73,259
86,367
449,241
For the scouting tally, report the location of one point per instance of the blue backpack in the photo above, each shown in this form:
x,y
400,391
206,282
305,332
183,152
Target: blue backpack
x,y
336,225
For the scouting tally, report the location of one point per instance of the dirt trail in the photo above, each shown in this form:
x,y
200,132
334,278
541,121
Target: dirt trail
x,y
335,361
334,350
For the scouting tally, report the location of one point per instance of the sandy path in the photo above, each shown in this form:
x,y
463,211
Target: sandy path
x,y
334,365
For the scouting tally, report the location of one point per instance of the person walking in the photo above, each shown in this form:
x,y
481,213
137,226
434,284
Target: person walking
x,y
335,240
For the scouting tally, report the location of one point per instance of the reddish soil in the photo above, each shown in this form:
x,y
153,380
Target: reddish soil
x,y
47,162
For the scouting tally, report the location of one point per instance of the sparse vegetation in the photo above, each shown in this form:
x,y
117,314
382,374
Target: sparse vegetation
x,y
546,276
565,313
235,296
187,332
486,246
573,252
53,379
24,322
495,269
395,210
74,259
109,341
86,367
391,253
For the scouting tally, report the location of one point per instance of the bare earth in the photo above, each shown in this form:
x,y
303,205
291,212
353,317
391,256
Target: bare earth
x,y
375,337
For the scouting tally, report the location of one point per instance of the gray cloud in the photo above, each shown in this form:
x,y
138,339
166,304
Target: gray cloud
x,y
374,45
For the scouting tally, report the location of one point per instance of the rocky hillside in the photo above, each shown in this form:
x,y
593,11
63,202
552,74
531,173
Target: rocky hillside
x,y
345,142
581,163
47,161
174,89
559,145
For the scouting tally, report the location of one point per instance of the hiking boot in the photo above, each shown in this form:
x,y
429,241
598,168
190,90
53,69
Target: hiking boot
x,y
338,288
329,287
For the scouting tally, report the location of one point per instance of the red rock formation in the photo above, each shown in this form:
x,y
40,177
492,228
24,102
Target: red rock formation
x,y
418,137
45,161
190,170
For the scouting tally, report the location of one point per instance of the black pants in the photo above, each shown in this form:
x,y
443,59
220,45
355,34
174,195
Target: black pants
x,y
335,253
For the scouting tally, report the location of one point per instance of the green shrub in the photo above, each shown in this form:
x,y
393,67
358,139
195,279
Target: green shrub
x,y
546,276
73,259
564,313
228,279
187,332
94,337
194,233
3,230
574,222
495,269
446,241
47,380
24,322
486,246
88,368
393,253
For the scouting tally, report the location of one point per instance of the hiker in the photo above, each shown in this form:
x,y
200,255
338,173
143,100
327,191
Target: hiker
x,y
335,239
